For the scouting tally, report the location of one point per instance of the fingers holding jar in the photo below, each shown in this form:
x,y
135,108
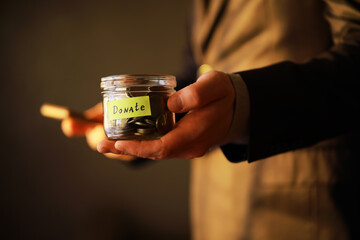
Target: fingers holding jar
x,y
209,103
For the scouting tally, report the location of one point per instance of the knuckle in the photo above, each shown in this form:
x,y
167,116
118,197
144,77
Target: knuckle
x,y
138,151
220,76
216,75
164,153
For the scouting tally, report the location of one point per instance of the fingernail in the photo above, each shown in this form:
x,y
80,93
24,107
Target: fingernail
x,y
120,148
117,145
177,104
101,148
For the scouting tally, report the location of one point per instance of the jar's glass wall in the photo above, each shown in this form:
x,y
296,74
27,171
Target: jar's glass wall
x,y
137,111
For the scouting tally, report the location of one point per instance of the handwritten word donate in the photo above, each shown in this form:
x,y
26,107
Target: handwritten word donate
x,y
129,107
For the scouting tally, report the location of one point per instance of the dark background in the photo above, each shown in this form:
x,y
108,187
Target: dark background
x,y
53,187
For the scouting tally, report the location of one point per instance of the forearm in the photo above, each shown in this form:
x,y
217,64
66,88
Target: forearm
x,y
296,105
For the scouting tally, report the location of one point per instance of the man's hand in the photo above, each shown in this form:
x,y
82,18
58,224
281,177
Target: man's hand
x,y
209,104
94,132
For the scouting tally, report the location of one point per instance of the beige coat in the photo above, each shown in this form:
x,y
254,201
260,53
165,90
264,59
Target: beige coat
x,y
286,196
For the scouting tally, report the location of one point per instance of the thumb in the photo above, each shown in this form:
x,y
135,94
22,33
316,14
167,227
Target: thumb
x,y
175,103
209,87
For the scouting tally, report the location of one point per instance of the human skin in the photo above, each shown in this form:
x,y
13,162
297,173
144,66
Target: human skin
x,y
209,104
93,131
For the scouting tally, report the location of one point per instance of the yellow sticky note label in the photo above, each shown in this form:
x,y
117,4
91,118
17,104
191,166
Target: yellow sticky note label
x,y
129,107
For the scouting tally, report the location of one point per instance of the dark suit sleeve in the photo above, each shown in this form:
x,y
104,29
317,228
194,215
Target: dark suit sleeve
x,y
297,105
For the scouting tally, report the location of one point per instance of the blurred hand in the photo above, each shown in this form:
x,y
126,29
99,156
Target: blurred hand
x,y
209,104
94,132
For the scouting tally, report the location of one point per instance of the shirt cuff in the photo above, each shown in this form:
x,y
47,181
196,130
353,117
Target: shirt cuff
x,y
239,129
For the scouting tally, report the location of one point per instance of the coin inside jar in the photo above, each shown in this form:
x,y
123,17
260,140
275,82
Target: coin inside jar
x,y
137,107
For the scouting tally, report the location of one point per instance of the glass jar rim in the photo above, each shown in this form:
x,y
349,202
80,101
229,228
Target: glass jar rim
x,y
125,80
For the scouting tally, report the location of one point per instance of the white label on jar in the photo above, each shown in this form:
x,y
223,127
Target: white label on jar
x,y
129,107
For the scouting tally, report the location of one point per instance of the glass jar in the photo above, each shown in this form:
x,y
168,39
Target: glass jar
x,y
135,106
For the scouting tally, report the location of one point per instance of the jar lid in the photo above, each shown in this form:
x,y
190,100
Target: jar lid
x,y
127,80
